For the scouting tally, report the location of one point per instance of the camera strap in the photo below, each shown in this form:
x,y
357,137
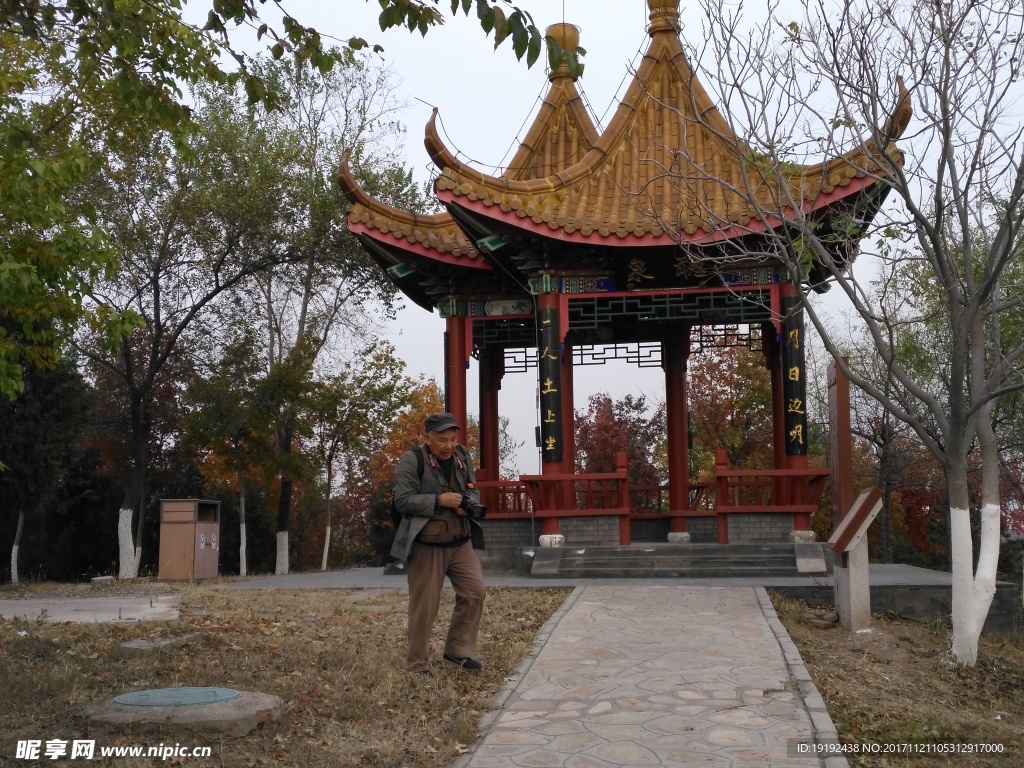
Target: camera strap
x,y
435,465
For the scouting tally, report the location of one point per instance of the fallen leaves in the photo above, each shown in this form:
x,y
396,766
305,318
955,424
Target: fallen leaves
x,y
337,661
891,686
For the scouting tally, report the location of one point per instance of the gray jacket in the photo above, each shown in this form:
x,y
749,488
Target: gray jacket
x,y
416,498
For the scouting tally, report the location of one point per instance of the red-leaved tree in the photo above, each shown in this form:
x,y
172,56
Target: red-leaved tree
x,y
609,427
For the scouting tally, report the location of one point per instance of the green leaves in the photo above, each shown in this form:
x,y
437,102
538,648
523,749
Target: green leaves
x,y
102,73
558,56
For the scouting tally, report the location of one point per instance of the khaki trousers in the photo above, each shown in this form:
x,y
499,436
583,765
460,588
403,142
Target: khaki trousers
x,y
427,568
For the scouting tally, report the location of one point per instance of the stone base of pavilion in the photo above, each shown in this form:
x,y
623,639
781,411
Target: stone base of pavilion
x,y
524,530
590,547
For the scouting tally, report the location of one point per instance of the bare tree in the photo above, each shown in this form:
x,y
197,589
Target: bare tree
x,y
939,216
324,300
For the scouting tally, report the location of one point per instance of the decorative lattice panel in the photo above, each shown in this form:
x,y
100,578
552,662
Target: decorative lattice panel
x,y
723,308
643,354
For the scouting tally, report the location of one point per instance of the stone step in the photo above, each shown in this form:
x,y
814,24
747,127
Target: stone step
x,y
625,572
689,550
679,562
573,555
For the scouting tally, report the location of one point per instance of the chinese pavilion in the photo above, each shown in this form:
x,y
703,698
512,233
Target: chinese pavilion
x,y
608,243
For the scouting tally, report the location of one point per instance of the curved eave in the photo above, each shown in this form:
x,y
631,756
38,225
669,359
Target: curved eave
x,y
434,236
625,239
410,246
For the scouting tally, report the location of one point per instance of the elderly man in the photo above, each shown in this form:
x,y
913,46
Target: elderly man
x,y
437,495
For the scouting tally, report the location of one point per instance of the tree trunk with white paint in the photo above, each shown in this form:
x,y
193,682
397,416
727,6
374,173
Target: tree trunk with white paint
x,y
973,592
16,546
964,644
282,554
242,564
125,545
129,548
327,533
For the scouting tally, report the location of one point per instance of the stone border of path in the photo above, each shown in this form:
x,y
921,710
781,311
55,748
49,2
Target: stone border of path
x,y
824,728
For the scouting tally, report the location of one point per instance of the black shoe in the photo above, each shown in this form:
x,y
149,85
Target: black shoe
x,y
466,664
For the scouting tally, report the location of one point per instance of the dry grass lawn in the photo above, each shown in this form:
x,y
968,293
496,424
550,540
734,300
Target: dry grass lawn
x,y
894,686
336,658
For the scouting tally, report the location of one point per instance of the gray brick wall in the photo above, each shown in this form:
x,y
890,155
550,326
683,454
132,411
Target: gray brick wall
x,y
702,530
754,529
507,534
604,530
599,531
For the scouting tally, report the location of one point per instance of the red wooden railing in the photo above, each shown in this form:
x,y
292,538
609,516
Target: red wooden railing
x,y
648,499
506,498
551,497
752,491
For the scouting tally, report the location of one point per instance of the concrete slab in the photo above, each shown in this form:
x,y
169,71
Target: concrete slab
x,y
136,649
546,561
810,558
238,717
94,609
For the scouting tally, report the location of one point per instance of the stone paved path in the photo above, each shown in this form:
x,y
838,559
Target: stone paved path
x,y
659,676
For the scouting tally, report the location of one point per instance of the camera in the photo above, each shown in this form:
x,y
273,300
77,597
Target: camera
x,y
473,508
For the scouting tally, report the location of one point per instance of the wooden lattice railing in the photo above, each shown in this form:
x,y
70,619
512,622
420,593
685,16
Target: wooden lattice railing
x,y
552,496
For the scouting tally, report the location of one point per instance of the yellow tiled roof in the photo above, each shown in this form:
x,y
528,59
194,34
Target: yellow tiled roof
x,y
561,134
667,166
436,232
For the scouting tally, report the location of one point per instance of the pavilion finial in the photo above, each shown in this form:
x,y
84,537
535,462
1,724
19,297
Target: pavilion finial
x,y
568,38
664,16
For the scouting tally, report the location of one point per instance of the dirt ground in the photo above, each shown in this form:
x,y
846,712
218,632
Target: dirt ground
x,y
894,686
336,658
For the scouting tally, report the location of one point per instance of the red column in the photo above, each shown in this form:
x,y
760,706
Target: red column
x,y
622,467
491,365
799,492
722,495
675,349
491,369
456,360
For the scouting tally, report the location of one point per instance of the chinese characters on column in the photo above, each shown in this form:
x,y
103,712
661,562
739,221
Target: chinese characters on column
x,y
794,384
549,365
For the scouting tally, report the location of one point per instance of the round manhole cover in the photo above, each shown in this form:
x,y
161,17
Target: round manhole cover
x,y
176,697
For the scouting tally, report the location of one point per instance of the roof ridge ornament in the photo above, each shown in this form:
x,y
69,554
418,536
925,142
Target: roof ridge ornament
x,y
567,38
664,16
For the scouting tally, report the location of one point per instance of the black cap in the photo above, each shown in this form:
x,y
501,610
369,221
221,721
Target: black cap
x,y
439,422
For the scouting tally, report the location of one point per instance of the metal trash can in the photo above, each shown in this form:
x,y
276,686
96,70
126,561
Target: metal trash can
x,y
189,539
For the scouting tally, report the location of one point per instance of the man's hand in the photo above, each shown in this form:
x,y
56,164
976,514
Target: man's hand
x,y
451,500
